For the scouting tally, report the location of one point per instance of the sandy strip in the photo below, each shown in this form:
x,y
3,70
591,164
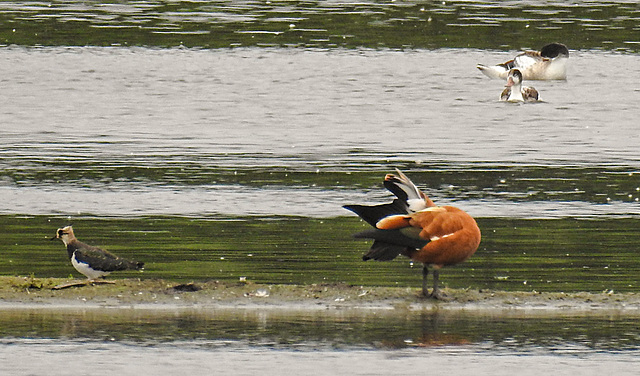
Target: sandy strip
x,y
159,295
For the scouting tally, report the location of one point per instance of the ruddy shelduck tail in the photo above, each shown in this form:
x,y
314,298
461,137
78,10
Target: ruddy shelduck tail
x,y
413,226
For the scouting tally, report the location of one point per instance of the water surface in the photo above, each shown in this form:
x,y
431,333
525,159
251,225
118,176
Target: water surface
x,y
242,342
568,255
301,132
219,140
610,25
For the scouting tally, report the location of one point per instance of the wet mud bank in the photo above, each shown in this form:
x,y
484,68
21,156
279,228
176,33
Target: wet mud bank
x,y
156,294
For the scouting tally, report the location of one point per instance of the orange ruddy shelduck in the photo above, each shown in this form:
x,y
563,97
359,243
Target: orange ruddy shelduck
x,y
413,226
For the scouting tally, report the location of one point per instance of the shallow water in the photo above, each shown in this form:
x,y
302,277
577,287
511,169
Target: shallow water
x,y
126,341
330,328
291,135
610,25
199,359
207,138
302,132
515,254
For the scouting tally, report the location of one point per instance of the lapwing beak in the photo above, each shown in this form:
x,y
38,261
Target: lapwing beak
x,y
54,238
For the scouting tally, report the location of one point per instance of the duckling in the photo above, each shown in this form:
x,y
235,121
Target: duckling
x,y
515,92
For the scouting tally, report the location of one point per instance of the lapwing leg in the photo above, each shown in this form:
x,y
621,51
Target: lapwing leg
x,y
70,284
83,283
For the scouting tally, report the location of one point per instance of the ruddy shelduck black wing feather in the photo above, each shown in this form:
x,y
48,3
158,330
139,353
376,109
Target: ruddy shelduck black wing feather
x,y
374,213
397,237
389,244
381,251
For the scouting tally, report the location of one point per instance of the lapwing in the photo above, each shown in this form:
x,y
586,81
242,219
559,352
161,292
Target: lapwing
x,y
92,261
413,226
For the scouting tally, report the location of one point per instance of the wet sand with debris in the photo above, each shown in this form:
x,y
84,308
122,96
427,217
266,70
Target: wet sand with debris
x,y
241,327
156,294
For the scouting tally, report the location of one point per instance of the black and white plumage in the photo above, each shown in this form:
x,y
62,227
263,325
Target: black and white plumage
x,y
550,63
414,226
409,199
92,261
515,92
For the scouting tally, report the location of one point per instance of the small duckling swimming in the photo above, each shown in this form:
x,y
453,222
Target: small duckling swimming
x,y
515,92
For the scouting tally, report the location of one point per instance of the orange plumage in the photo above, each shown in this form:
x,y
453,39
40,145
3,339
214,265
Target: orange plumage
x,y
412,225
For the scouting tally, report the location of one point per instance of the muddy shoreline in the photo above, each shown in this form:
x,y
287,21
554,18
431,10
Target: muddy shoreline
x,y
155,294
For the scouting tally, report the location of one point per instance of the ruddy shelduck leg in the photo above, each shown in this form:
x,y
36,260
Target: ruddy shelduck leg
x,y
437,293
425,274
